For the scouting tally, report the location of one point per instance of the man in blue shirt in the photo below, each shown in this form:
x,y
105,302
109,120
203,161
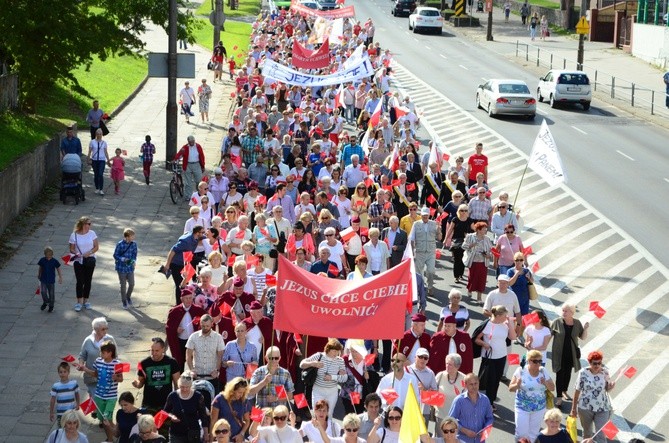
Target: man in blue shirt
x,y
324,265
70,144
472,410
175,258
351,149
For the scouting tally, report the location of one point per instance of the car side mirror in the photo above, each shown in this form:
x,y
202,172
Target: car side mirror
x,y
541,79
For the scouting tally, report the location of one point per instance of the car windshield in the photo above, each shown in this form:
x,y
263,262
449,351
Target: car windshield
x,y
574,79
513,89
429,13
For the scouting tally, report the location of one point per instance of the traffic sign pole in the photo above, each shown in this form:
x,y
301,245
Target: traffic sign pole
x,y
582,28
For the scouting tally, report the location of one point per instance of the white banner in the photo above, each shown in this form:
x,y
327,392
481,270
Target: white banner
x,y
545,159
291,77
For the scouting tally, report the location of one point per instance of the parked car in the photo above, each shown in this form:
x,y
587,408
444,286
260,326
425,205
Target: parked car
x,y
559,86
426,18
326,5
510,97
403,8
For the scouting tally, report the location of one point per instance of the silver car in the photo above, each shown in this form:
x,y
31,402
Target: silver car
x,y
504,96
560,86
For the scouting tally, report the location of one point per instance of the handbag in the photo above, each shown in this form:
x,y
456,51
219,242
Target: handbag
x,y
210,65
309,375
532,290
484,371
281,246
572,428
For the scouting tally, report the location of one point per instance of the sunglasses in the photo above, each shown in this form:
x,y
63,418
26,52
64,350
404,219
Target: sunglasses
x,y
423,357
394,417
449,431
280,418
519,260
595,363
222,431
329,235
351,430
536,361
396,360
187,377
273,358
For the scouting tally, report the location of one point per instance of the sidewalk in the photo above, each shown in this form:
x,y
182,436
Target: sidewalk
x,y
598,56
33,341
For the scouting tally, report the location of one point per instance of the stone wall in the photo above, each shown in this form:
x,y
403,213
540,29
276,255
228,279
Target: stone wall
x,y
554,16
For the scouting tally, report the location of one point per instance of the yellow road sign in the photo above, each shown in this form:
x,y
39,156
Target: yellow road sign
x,y
582,27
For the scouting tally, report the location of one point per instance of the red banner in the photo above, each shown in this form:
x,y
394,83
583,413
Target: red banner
x,y
345,12
304,58
314,305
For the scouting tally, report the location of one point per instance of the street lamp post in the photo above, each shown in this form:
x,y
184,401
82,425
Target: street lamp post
x,y
171,114
488,5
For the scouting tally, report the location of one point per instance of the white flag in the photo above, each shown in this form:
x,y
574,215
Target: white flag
x,y
545,159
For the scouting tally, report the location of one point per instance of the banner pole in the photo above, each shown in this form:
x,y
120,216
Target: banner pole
x,y
515,198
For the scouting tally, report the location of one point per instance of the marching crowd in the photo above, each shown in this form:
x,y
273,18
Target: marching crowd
x,y
332,178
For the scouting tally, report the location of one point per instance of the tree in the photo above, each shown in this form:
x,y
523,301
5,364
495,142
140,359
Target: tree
x,y
44,41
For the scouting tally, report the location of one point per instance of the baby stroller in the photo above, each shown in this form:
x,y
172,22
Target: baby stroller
x,y
71,184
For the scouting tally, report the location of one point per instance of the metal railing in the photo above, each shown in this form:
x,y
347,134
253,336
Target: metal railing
x,y
619,89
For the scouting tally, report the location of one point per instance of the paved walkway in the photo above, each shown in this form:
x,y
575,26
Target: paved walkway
x,y
33,341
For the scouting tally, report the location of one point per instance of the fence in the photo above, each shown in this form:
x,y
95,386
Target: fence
x,y
9,92
619,89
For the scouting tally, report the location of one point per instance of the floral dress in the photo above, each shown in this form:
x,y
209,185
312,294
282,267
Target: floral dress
x,y
204,94
531,397
592,387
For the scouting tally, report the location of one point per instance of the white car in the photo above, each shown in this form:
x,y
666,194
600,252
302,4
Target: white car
x,y
426,18
560,86
510,97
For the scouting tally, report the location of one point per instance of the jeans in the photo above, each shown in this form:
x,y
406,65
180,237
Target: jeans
x,y
99,173
48,294
129,279
599,419
349,114
84,276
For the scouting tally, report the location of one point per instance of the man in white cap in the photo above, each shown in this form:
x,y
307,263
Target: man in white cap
x,y
425,234
359,377
425,376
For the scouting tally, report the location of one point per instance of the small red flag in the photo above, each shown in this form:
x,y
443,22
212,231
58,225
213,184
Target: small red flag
x,y
355,397
513,359
388,188
528,251
593,306
495,252
159,418
233,95
194,200
88,406
610,430
300,401
630,372
66,258
124,152
411,186
389,395
231,259
252,261
333,269
68,358
535,267
188,256
395,183
225,309
250,369
140,369
599,312
369,359
257,414
298,338
437,254
530,318
121,367
432,212
364,232
431,199
280,392
442,216
188,272
369,182
445,156
270,280
205,178
240,234
433,398
472,190
38,291
215,246
485,433
234,48
196,322
360,203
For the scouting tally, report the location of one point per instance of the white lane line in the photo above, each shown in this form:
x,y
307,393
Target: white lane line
x,y
415,39
666,179
427,47
406,32
624,155
580,130
463,67
442,56
484,79
542,112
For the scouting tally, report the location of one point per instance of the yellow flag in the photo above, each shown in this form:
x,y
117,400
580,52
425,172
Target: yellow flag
x,y
413,424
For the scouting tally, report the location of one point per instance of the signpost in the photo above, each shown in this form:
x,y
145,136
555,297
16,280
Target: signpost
x,y
582,29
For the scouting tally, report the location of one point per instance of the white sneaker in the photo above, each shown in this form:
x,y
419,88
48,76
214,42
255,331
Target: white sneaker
x,y
101,192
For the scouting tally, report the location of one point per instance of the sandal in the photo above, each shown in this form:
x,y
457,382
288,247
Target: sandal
x,y
566,396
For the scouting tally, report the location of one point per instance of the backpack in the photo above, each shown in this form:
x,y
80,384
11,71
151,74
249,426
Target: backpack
x,y
476,348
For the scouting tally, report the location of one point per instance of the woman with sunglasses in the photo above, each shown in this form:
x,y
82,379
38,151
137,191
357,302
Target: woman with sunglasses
x,y
461,170
272,181
520,277
460,226
390,431
351,427
280,431
360,202
530,385
591,402
448,431
232,406
221,430
508,244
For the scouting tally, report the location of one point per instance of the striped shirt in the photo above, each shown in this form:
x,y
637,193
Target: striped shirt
x,y
65,395
331,367
107,389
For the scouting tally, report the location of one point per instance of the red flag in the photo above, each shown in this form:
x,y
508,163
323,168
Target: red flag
x,y
225,309
257,414
437,254
368,182
240,234
196,322
252,261
389,395
68,358
495,252
88,406
188,256
121,367
305,58
630,372
610,430
300,401
205,178
433,398
445,156
140,368
231,259
159,418
298,338
432,212
124,152
401,111
66,258
262,200
535,267
472,190
395,183
513,359
333,269
599,312
194,200
431,199
369,359
528,251
215,246
530,318
442,216
387,188
364,232
485,433
250,369
280,392
593,306
38,291
355,397
188,272
348,233
411,186
223,234
270,280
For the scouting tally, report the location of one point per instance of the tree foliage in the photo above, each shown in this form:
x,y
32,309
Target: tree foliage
x,y
44,41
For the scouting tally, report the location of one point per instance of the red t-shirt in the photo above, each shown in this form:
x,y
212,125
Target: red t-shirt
x,y
477,163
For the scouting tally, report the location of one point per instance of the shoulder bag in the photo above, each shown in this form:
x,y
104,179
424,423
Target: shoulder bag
x,y
532,290
309,375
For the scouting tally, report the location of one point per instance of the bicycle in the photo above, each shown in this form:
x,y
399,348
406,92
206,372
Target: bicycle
x,y
177,182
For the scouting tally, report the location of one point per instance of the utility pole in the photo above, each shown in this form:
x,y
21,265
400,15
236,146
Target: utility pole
x,y
218,21
488,5
171,114
582,28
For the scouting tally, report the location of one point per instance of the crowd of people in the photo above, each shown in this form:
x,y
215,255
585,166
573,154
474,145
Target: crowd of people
x,y
332,178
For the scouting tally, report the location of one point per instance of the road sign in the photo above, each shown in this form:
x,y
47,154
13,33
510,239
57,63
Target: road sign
x,y
158,65
217,19
582,27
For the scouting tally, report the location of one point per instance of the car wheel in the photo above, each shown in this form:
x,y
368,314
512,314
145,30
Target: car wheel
x,y
553,102
478,102
410,28
540,97
531,116
415,29
490,113
586,106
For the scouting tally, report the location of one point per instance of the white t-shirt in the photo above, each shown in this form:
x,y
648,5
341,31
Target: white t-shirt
x,y
336,252
391,436
83,243
314,435
538,337
495,334
271,434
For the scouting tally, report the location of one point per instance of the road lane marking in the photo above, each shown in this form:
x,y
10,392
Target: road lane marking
x,y
624,155
427,47
580,130
463,67
666,179
443,56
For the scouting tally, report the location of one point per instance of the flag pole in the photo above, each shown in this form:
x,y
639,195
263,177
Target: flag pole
x,y
515,198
